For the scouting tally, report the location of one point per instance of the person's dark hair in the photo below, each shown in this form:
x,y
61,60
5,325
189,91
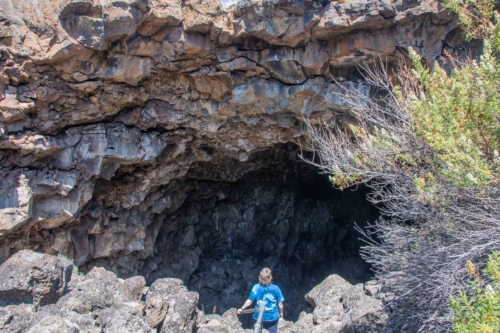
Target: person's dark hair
x,y
265,276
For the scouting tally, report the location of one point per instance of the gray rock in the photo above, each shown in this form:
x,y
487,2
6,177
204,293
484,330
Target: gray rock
x,y
304,324
16,200
155,310
134,287
366,315
281,64
341,307
15,318
99,290
158,299
165,288
54,324
227,323
123,123
54,319
181,313
123,319
372,288
329,291
30,277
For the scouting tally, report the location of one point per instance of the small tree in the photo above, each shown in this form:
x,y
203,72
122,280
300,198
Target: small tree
x,y
427,142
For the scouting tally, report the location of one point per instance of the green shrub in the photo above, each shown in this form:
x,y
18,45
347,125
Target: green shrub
x,y
426,140
479,312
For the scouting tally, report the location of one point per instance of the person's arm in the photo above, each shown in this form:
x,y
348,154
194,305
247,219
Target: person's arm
x,y
246,305
280,306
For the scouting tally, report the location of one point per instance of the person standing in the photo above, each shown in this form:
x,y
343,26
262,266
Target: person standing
x,y
271,294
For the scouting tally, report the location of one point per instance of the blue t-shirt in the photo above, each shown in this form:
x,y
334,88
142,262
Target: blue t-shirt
x,y
270,294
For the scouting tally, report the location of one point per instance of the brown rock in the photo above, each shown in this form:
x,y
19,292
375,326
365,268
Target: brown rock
x,y
34,278
155,311
161,13
282,66
116,114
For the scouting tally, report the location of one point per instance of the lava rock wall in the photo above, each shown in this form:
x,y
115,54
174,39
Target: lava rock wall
x,y
112,112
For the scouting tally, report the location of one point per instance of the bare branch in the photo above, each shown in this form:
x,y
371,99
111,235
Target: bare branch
x,y
419,246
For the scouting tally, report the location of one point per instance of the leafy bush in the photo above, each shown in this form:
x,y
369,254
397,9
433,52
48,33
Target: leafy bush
x,y
481,311
427,142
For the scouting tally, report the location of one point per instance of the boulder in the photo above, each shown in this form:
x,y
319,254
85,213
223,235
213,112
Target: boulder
x,y
329,291
134,287
99,290
165,288
181,313
157,299
123,319
15,318
51,318
366,314
341,307
212,323
53,324
30,277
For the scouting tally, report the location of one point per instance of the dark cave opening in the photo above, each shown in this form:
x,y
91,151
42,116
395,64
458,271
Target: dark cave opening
x,y
283,215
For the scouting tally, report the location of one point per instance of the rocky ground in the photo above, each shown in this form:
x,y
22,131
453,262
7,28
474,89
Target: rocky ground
x,y
44,293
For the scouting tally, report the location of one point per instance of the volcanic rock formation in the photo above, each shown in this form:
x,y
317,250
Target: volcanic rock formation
x,y
158,137
101,302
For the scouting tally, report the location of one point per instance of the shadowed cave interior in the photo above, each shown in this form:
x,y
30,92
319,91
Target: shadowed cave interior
x,y
283,214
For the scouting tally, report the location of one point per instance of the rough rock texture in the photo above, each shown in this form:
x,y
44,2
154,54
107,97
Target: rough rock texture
x,y
15,318
96,302
131,98
29,277
227,323
340,307
100,302
134,287
114,115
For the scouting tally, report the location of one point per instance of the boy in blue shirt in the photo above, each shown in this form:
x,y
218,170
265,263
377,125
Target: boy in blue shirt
x,y
271,294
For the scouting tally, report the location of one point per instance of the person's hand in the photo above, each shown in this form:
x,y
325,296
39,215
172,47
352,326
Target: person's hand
x,y
281,315
239,311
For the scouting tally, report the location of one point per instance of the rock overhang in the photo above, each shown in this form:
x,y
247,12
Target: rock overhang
x,y
110,109
128,128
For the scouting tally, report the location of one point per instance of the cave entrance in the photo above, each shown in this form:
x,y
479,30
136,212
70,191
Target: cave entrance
x,y
283,215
